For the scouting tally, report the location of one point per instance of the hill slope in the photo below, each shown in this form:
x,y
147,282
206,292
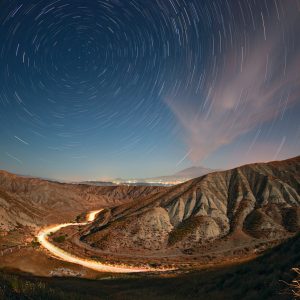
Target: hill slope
x,y
256,201
32,201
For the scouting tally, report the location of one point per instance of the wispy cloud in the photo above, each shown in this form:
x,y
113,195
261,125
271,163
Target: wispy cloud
x,y
256,84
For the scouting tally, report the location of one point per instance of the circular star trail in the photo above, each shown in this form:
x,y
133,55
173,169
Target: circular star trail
x,y
134,80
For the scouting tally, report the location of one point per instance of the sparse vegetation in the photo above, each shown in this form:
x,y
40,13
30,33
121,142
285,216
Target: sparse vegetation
x,y
154,265
13,287
184,229
59,239
295,285
35,243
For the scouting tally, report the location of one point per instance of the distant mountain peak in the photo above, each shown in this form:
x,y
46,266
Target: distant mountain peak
x,y
194,171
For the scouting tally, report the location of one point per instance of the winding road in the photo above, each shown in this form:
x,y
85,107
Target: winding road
x,y
91,264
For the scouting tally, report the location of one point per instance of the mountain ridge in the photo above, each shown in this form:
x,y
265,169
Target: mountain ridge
x,y
254,201
33,202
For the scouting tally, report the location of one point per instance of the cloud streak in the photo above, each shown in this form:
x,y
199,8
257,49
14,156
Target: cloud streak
x,y
256,83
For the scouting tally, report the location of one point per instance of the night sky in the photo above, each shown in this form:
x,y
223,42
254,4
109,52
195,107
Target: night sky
x,y
137,88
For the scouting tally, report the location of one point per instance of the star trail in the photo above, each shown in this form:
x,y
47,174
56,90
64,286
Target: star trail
x,y
124,88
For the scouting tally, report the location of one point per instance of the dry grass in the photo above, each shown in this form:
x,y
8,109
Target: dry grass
x,y
295,285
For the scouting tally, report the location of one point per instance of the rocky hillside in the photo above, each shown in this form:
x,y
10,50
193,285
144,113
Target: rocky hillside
x,y
31,201
256,201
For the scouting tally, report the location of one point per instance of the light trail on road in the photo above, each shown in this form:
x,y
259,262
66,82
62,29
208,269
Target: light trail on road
x,y
91,264
92,215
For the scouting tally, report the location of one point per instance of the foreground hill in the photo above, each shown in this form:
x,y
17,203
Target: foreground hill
x,y
264,278
253,202
33,202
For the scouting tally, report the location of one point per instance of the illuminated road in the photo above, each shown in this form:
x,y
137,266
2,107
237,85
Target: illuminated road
x,y
91,264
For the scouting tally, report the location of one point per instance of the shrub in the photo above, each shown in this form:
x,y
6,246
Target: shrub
x,y
59,239
35,243
295,285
